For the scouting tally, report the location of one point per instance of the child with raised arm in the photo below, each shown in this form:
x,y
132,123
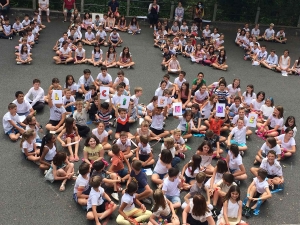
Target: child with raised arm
x,y
122,118
12,125
96,203
158,115
257,191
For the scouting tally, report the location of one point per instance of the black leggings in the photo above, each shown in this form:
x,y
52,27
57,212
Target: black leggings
x,y
83,131
153,18
39,106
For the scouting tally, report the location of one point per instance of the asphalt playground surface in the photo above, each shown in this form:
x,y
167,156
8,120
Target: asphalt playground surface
x,y
26,198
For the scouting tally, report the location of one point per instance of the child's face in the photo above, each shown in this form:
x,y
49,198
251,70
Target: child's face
x,y
104,72
144,128
26,18
188,117
123,114
13,111
79,107
234,195
92,142
291,122
20,98
240,123
139,93
222,87
226,183
68,94
268,102
163,86
79,47
65,36
36,86
200,76
290,134
205,148
237,102
96,101
89,31
87,76
271,158
180,76
275,112
177,136
241,113
123,138
100,127
120,91
158,111
260,97
55,85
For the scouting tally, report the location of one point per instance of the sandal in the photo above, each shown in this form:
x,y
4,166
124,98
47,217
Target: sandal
x,y
71,158
62,187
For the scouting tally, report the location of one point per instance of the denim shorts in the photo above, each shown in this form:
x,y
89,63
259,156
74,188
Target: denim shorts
x,y
123,172
173,199
13,130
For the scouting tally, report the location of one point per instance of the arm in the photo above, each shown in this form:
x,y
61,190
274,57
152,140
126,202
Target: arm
x,y
225,212
185,213
59,137
42,158
128,165
86,159
241,171
187,198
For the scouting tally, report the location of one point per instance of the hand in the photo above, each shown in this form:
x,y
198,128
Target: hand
x,y
143,207
218,155
143,164
63,144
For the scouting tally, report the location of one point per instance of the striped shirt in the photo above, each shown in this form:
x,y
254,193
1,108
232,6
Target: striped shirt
x,y
104,117
222,95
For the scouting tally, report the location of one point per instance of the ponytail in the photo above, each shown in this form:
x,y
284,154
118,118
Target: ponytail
x,y
45,140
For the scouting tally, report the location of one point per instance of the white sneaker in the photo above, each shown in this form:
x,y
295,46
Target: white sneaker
x,y
19,63
115,196
121,67
128,67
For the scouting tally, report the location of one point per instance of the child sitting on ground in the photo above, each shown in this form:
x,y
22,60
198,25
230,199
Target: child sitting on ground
x,y
29,147
81,187
124,144
144,152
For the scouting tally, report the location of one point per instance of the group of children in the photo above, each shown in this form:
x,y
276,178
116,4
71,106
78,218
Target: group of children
x,y
213,193
209,51
257,53
96,36
28,29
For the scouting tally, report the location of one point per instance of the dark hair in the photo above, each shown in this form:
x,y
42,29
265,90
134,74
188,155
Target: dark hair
x,y
98,165
97,45
200,148
104,105
69,125
86,71
287,122
234,81
233,188
188,113
67,78
262,173
18,93
173,172
163,81
222,82
272,141
115,149
137,165
84,168
45,140
131,187
261,93
222,166
187,90
133,21
59,158
167,76
182,72
166,156
125,55
103,68
228,177
22,49
86,143
195,163
234,149
252,89
95,181
111,47
200,206
154,98
237,98
272,152
209,133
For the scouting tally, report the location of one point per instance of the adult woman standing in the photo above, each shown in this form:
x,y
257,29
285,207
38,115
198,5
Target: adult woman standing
x,y
179,12
153,11
4,7
198,15
68,7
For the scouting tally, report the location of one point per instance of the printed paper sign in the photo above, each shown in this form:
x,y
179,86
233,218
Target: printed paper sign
x,y
220,110
57,97
177,109
162,101
88,96
252,120
104,92
124,102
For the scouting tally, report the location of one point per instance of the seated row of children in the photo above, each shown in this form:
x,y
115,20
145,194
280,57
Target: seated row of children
x,y
258,53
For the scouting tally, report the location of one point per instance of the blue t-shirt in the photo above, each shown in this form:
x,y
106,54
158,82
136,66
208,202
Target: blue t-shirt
x,y
113,5
141,178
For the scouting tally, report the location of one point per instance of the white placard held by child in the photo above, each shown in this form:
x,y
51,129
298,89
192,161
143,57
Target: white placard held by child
x,y
57,97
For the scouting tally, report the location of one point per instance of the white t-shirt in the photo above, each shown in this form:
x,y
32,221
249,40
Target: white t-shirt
x,y
100,136
267,111
43,3
37,95
248,98
199,218
56,113
182,123
28,146
67,101
189,170
269,33
116,99
95,198
24,107
144,150
129,200
239,134
65,51
81,182
80,53
101,34
104,79
235,119
265,149
178,82
114,37
97,55
257,105
90,36
5,121
85,82
273,170
123,147
157,121
159,92
172,150
260,186
135,100
275,121
206,33
126,81
286,145
255,32
200,97
280,34
171,187
17,27
233,91
164,212
214,36
234,163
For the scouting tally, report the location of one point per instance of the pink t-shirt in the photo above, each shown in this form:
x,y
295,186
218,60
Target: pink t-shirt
x,y
69,4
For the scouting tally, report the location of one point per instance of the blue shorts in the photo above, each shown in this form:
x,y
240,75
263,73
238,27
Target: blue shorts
x,y
238,144
107,128
14,130
173,199
188,179
232,171
123,172
161,176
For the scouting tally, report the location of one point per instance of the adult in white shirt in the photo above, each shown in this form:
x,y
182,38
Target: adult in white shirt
x,y
23,106
44,6
269,34
37,94
272,61
284,63
287,143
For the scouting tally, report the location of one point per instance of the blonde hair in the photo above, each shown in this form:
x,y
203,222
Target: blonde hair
x,y
145,124
169,142
137,89
176,131
26,135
